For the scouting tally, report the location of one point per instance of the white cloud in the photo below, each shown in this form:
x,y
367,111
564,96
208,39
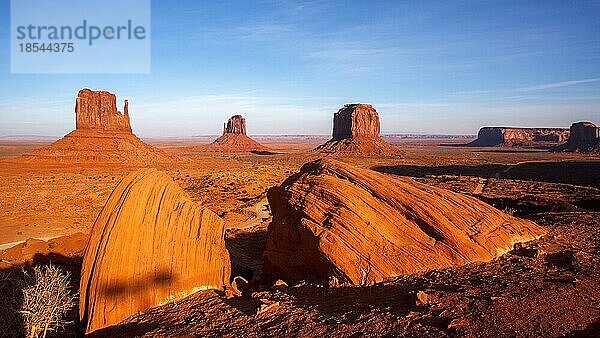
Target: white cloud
x,y
558,84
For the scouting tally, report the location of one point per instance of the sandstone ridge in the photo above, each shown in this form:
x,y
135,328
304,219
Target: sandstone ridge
x,y
520,137
150,244
360,226
356,132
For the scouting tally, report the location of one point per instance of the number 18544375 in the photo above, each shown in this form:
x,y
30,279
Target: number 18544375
x,y
56,47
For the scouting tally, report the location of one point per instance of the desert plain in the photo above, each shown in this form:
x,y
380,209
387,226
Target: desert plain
x,y
548,287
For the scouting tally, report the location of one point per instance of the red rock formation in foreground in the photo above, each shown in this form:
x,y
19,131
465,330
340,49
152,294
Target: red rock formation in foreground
x,y
520,137
361,226
356,132
584,137
234,138
103,135
149,245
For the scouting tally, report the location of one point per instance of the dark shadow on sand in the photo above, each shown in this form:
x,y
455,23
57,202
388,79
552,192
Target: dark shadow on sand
x,y
265,152
584,173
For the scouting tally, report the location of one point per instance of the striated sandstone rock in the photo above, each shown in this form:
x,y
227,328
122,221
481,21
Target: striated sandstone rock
x,y
234,138
361,226
98,110
356,132
520,137
149,245
584,137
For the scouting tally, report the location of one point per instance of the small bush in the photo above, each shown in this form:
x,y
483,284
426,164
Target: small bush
x,y
46,301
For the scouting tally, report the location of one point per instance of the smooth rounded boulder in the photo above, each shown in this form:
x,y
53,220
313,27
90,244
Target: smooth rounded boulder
x,y
150,244
335,220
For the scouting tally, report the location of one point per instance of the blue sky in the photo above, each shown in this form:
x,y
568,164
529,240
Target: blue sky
x,y
427,67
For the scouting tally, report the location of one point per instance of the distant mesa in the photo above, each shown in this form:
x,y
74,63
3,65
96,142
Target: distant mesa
x,y
149,245
520,137
356,132
584,137
335,220
234,138
102,135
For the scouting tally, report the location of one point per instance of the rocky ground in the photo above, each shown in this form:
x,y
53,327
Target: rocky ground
x,y
550,287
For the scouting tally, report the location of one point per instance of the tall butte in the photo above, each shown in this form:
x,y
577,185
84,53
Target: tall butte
x,y
234,138
149,245
356,132
583,137
102,135
360,226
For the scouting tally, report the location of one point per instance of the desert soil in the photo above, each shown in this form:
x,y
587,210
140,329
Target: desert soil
x,y
550,287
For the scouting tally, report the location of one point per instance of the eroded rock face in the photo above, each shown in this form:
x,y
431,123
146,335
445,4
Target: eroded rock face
x,y
150,244
360,226
356,132
235,125
584,137
520,137
98,110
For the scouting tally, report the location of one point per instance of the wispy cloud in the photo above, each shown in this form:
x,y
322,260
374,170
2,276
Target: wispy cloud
x,y
558,84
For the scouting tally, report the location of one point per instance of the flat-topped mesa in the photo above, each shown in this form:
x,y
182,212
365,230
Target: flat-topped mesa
x,y
235,125
520,137
97,110
583,137
356,132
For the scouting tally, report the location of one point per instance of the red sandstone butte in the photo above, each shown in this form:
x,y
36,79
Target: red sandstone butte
x,y
102,135
234,138
584,137
97,110
356,132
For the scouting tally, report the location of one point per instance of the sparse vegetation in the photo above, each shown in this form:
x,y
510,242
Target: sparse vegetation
x,y
46,301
